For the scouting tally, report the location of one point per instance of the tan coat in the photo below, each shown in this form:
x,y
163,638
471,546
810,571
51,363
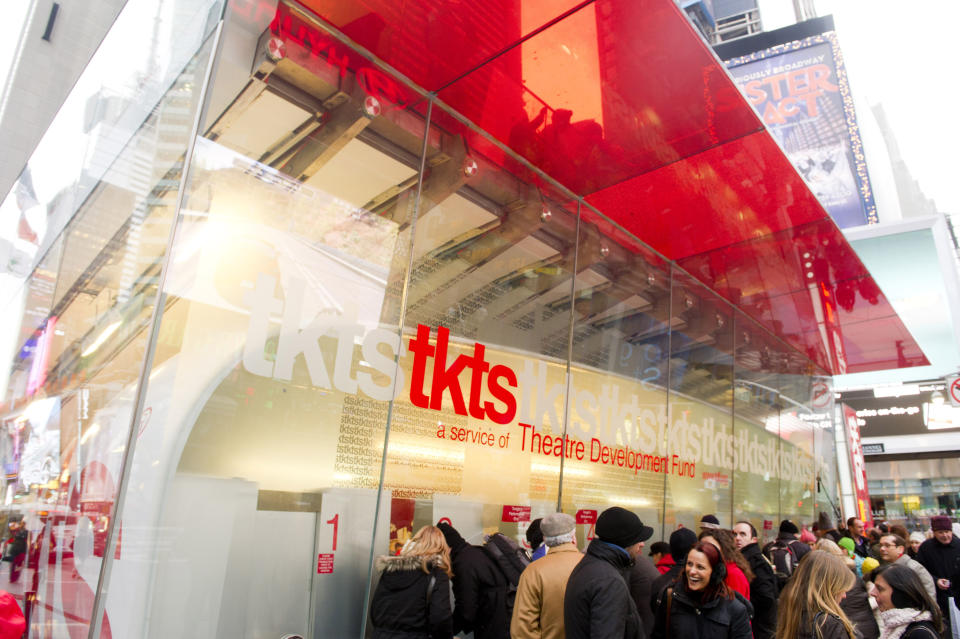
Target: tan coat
x,y
538,610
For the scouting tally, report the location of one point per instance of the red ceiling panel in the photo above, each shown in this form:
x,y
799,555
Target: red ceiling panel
x,y
433,42
595,100
623,103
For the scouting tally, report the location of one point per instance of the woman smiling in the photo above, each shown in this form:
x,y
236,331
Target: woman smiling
x,y
699,605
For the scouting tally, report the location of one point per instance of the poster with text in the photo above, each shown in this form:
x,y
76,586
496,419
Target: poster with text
x,y
801,93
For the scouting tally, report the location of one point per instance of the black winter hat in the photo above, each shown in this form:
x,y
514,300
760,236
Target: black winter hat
x,y
534,534
621,527
454,539
787,526
710,522
681,541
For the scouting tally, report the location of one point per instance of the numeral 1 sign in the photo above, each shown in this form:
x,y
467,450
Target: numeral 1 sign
x,y
335,521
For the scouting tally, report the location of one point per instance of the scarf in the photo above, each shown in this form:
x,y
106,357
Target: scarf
x,y
896,620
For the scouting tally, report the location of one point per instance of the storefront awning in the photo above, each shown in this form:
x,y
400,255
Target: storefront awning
x,y
623,103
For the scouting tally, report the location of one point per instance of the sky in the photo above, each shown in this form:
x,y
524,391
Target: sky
x,y
902,56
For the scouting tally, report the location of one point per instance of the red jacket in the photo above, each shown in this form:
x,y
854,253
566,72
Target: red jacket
x,y
665,563
736,580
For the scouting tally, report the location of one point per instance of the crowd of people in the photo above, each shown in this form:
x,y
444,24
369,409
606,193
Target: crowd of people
x,y
829,582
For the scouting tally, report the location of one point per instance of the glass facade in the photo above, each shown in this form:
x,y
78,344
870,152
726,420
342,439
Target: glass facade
x,y
291,308
910,491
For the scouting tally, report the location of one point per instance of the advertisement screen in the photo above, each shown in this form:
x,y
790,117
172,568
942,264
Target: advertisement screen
x,y
800,91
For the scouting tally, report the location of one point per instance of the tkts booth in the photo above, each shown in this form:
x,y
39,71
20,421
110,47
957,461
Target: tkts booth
x,y
325,272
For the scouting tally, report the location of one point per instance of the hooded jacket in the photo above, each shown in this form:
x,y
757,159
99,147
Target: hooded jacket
x,y
597,604
763,593
404,604
479,588
719,618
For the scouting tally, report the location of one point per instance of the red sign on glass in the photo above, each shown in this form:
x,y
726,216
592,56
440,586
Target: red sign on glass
x,y
325,563
516,513
586,516
768,524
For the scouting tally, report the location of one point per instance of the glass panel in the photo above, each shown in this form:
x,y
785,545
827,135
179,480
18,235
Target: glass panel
x,y
255,478
71,405
702,446
756,396
619,376
798,434
489,295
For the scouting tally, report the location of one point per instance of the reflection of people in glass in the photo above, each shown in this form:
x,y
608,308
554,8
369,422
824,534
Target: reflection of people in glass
x,y
413,596
16,550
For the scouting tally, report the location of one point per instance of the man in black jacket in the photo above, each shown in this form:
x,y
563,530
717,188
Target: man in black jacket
x,y
681,541
597,604
941,557
479,588
763,588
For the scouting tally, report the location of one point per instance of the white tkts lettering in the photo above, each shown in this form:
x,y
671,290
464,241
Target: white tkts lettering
x,y
294,340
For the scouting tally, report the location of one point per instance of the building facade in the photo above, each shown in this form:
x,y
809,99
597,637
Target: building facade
x,y
325,275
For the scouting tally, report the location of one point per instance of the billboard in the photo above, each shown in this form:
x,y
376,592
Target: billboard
x,y
800,91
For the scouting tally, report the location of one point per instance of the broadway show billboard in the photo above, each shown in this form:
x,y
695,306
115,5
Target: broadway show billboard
x,y
800,90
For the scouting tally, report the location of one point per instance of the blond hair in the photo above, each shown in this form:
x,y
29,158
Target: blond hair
x,y
830,546
427,544
814,587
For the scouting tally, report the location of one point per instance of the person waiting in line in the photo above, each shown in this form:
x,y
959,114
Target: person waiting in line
x,y
479,589
810,604
538,609
861,544
941,557
535,538
700,605
900,530
763,588
907,611
825,528
848,546
893,550
681,541
788,534
916,538
856,602
597,604
709,523
660,556
641,577
739,572
412,599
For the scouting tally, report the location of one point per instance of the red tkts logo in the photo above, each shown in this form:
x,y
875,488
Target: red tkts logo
x,y
447,379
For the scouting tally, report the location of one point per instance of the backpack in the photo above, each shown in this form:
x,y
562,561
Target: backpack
x,y
784,560
510,559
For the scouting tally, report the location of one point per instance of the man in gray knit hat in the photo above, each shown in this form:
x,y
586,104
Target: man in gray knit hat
x,y
538,609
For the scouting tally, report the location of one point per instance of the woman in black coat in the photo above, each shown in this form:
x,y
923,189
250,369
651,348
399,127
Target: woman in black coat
x,y
412,600
699,605
906,609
